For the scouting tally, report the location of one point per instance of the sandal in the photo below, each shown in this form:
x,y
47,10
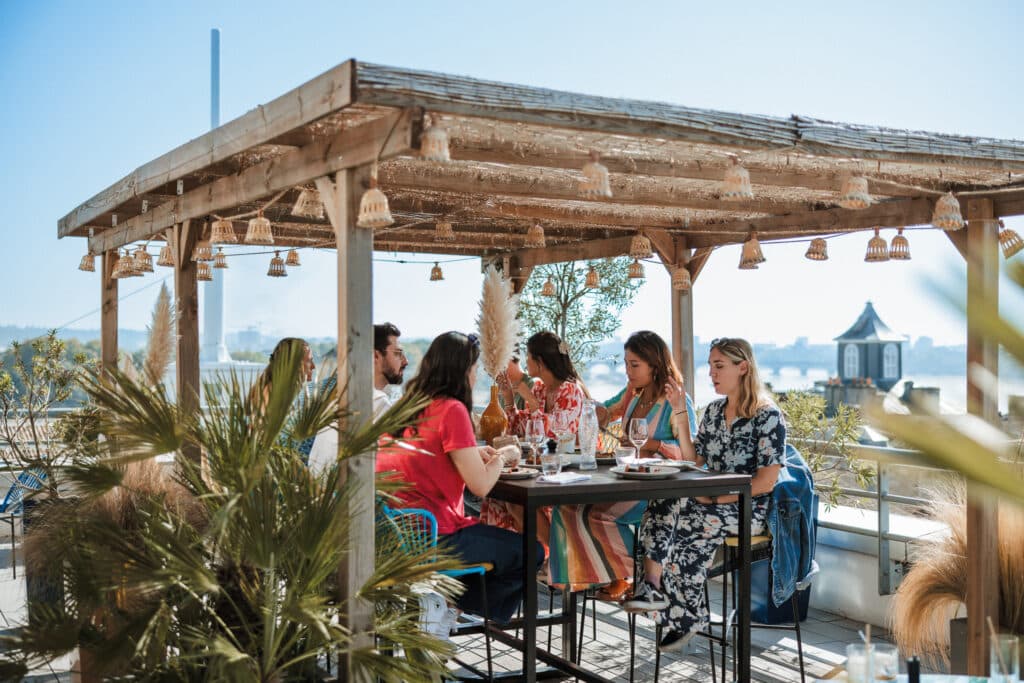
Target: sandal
x,y
614,591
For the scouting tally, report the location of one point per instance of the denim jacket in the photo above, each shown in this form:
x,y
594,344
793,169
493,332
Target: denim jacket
x,y
793,524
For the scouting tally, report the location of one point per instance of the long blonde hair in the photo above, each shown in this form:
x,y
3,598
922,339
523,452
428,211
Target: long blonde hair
x,y
752,392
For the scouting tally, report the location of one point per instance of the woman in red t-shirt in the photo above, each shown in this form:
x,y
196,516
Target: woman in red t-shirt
x,y
452,462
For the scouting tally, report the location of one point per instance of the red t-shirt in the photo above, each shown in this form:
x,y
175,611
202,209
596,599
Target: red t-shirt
x,y
436,484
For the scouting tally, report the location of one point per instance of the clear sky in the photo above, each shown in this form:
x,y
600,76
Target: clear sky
x,y
90,91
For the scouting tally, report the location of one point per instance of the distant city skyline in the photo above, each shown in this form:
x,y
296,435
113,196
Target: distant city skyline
x,y
130,82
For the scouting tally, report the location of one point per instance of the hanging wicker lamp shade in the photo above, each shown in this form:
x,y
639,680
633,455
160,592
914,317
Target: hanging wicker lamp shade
x,y
636,270
443,232
751,256
593,278
854,194
549,287
88,262
373,207
436,274
203,272
899,248
276,268
143,260
292,259
220,259
818,250
681,279
434,144
1009,241
535,237
166,258
223,232
121,267
736,183
878,250
947,213
308,204
640,247
202,252
259,231
596,182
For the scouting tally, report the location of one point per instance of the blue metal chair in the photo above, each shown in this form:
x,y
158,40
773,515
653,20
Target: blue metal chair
x,y
14,502
417,529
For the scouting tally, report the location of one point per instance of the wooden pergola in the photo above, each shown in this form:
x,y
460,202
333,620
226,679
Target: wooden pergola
x,y
516,155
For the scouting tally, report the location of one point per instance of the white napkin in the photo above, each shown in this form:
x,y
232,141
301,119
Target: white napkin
x,y
563,478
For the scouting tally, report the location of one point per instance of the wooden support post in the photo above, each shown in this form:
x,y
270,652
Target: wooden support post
x,y
108,315
355,373
674,254
186,300
982,522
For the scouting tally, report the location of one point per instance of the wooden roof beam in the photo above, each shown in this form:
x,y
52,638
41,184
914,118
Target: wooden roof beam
x,y
391,86
350,148
328,92
578,251
472,178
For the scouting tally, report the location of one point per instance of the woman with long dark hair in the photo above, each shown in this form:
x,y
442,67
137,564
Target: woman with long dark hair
x,y
556,385
449,461
649,368
742,433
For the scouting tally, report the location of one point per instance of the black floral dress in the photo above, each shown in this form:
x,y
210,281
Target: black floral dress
x,y
683,535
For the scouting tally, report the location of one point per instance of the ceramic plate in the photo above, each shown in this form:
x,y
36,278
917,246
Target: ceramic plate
x,y
657,472
519,473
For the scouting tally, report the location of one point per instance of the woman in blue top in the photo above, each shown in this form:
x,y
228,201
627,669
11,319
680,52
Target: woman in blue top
x,y
598,539
742,433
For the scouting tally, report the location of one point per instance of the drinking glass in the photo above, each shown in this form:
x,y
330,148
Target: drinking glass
x,y
560,426
535,435
623,454
550,464
886,659
1004,659
638,432
858,664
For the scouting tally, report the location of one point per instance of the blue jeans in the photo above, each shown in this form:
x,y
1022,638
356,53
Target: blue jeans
x,y
504,550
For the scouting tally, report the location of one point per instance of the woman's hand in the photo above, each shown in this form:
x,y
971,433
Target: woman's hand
x,y
676,395
488,453
514,373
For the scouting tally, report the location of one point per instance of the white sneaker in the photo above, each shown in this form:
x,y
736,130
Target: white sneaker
x,y
434,617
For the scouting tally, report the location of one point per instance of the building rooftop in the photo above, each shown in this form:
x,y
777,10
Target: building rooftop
x,y
870,328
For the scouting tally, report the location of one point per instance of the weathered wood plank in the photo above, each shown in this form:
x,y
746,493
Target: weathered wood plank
x,y
473,178
352,147
982,517
698,261
355,373
581,251
108,311
186,301
391,86
328,92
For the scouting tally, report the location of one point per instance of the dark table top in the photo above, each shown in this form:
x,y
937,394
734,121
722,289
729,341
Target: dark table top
x,y
604,486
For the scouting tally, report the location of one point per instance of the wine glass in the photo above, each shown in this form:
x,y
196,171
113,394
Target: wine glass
x,y
535,434
638,432
560,426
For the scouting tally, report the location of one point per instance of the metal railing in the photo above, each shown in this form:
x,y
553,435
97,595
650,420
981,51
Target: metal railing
x,y
886,459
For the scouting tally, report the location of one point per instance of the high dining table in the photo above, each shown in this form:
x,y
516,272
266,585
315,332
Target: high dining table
x,y
606,487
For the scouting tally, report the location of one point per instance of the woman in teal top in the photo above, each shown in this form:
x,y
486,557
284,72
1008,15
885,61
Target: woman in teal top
x,y
592,544
649,367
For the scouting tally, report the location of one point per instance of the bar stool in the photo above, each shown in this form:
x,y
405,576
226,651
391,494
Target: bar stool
x,y
760,549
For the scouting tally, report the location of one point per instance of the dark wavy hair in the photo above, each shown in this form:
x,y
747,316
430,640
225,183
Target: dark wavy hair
x,y
545,347
444,368
653,350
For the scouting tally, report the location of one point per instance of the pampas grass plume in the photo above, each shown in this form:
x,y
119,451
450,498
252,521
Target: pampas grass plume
x,y
499,328
160,349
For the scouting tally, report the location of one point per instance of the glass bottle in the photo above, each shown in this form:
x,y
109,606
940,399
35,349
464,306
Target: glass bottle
x,y
588,436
